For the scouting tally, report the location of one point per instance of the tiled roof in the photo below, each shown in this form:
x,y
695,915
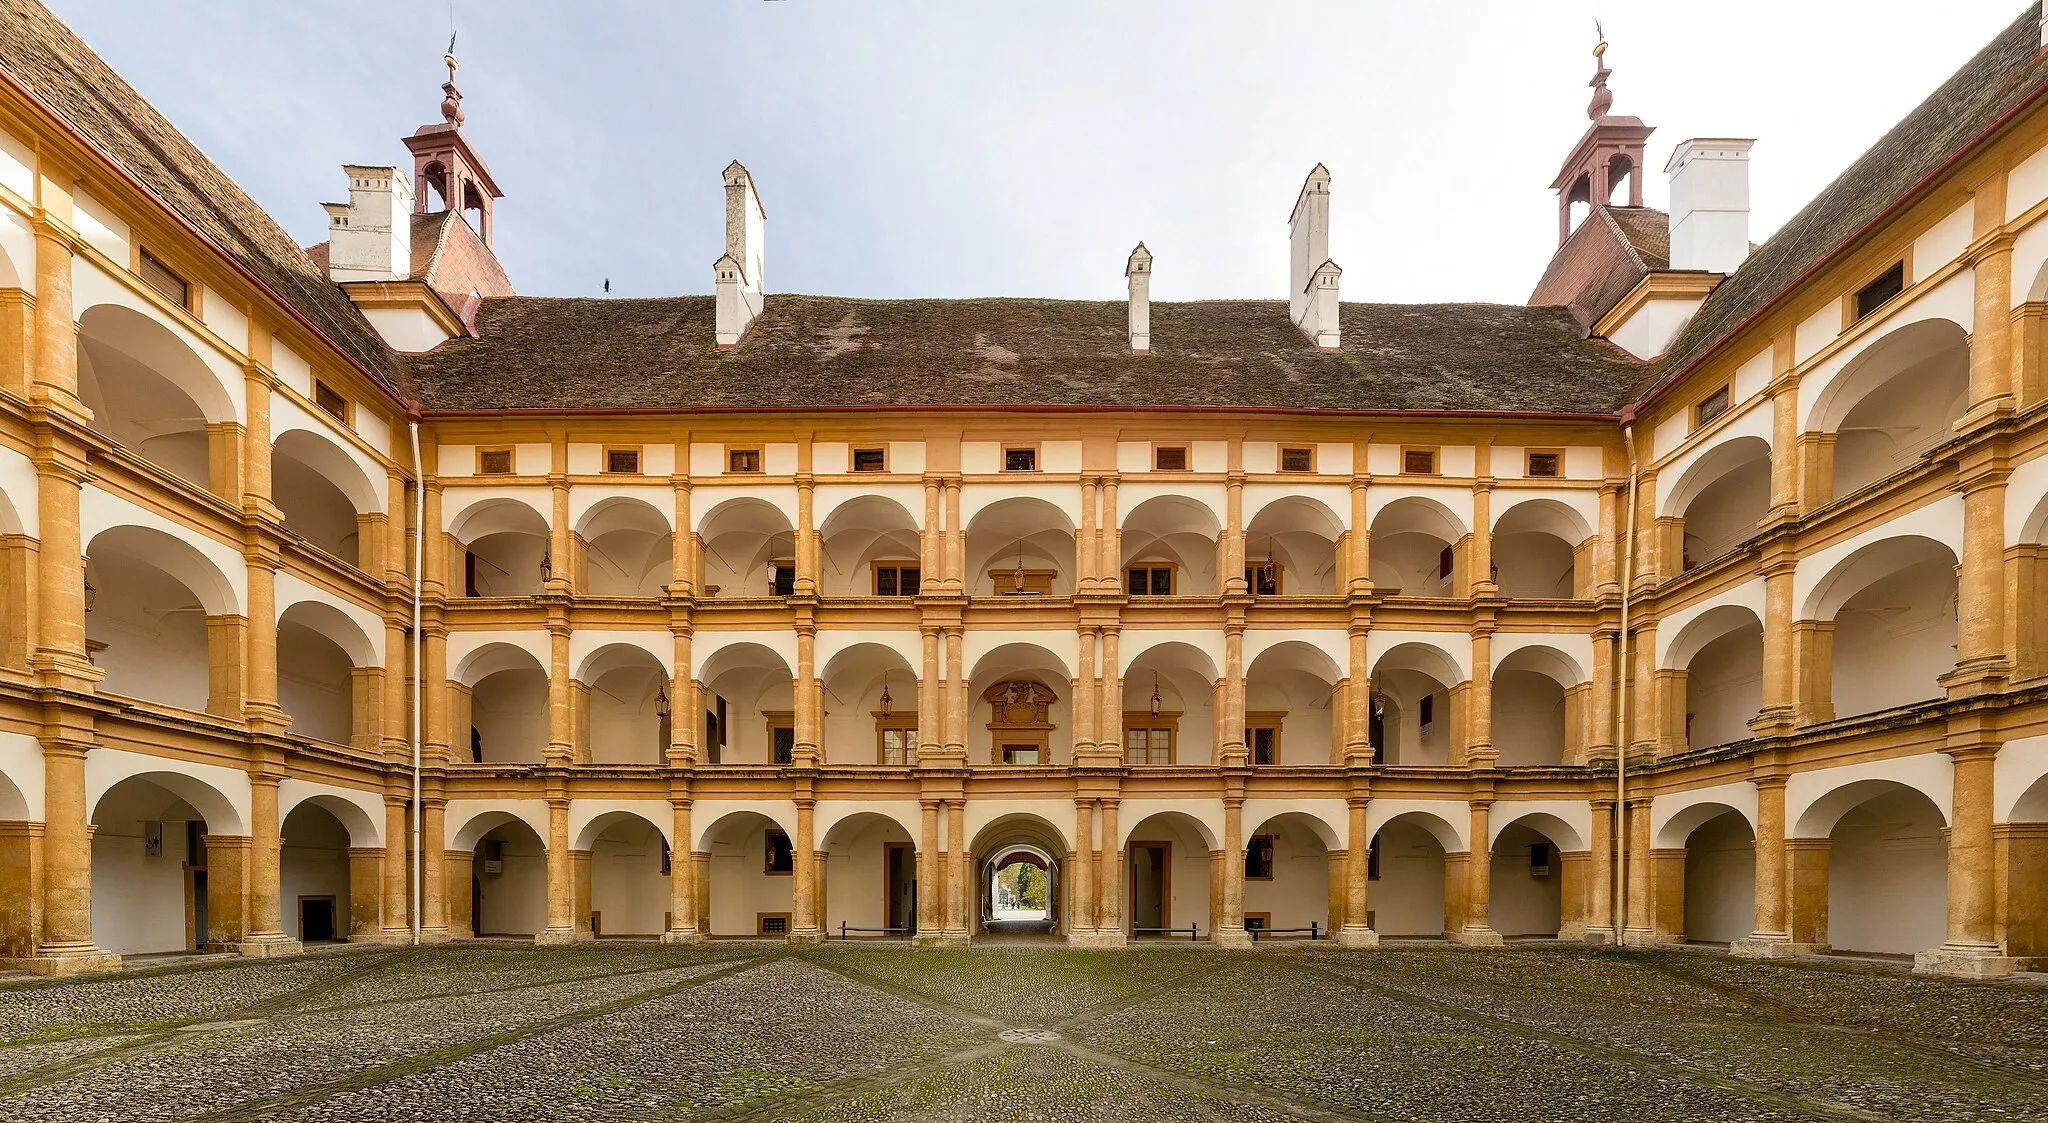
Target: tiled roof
x,y
43,56
1611,251
1999,78
810,351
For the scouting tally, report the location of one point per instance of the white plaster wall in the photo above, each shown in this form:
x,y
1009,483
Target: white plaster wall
x,y
21,766
100,227
1953,299
296,372
627,888
510,710
1524,904
1188,858
1299,890
2020,766
1942,243
19,486
17,248
225,320
1528,718
740,891
2025,185
221,795
1724,689
1408,898
1930,774
1650,330
855,877
1888,877
314,864
515,901
138,902
1816,331
1895,639
17,167
1720,881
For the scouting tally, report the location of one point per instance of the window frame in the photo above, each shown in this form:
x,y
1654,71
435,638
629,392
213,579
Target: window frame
x,y
775,568
1008,447
901,721
345,413
761,920
1152,569
768,852
779,720
1700,417
1004,581
760,467
1187,457
1529,456
511,459
1251,586
1255,720
1167,721
1436,459
1856,312
144,259
899,568
604,462
853,460
1280,459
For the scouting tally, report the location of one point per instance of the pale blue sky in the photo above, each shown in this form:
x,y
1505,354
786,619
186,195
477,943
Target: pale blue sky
x,y
969,148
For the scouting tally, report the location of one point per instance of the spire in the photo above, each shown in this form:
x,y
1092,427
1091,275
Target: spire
x,y
1603,98
447,174
451,98
1607,158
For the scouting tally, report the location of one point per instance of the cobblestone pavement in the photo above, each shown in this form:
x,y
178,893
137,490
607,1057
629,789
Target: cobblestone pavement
x,y
760,1031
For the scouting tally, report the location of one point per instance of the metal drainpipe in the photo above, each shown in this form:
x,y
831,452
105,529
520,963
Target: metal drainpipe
x,y
1626,672
419,539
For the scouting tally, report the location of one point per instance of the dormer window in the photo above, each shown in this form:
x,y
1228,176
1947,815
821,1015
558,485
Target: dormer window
x,y
165,281
1710,407
1889,284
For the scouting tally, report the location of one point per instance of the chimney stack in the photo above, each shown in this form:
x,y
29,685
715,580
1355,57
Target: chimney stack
x,y
1312,298
738,273
1138,270
369,238
1709,203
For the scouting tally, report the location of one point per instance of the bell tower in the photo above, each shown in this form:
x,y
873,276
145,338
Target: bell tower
x,y
1610,152
448,175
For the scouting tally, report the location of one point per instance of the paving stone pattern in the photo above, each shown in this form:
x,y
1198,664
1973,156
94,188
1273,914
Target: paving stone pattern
x,y
748,1030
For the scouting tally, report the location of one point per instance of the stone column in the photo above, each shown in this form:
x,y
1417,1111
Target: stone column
x,y
1337,872
956,691
1667,892
803,905
1600,875
957,923
21,879
435,690
1479,750
809,697
561,750
1230,573
59,596
1234,753
434,870
1780,686
1600,745
1358,702
1109,911
1479,558
365,894
700,868
1813,670
55,371
1110,561
682,881
1358,570
1806,892
461,866
1479,882
1087,733
1982,663
561,927
930,895
1972,949
259,698
1784,393
806,584
1081,916
1355,932
929,553
561,557
266,932
397,877
579,880
1087,555
1230,929
1991,390
67,945
955,581
226,674
1574,896
1638,933
227,892
931,690
1771,939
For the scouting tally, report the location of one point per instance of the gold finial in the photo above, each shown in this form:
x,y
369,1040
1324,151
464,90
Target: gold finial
x,y
1600,46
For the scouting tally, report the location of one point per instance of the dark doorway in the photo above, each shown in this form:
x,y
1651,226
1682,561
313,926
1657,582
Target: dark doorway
x,y
198,910
900,885
316,919
1149,890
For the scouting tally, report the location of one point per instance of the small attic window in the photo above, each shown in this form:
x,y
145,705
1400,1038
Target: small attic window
x,y
1545,464
1418,462
330,401
1710,407
1020,459
1889,284
165,280
1169,458
871,460
622,461
1297,459
494,462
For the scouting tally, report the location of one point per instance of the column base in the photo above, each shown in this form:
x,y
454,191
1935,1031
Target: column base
x,y
1965,961
1771,945
682,936
438,936
67,959
805,937
1349,937
1095,938
558,937
262,947
939,940
1638,938
382,937
1596,937
1229,937
1481,938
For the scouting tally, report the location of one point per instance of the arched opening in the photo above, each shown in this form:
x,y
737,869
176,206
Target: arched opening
x,y
504,550
1715,684
1619,170
1169,548
508,890
1894,402
749,866
1720,876
149,391
1537,548
1293,869
1166,878
167,870
1020,547
155,608
869,547
501,707
2026,892
1290,549
871,707
622,707
1538,695
1020,700
1170,699
1288,711
1003,842
1417,549
315,881
870,878
624,549
1888,612
322,492
316,676
1412,700
626,890
1020,893
748,549
1407,869
749,706
1528,876
1886,868
1720,499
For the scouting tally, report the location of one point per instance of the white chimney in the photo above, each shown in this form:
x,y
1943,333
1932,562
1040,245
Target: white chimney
x,y
1308,243
1709,204
369,238
1321,322
1138,270
738,273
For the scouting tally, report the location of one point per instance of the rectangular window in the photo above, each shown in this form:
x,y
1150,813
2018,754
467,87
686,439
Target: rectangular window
x,y
622,461
1539,859
772,924
1169,458
494,462
1446,561
781,744
1149,581
1262,579
1889,284
743,461
330,401
1710,407
1020,754
1297,459
1148,744
1264,741
1425,712
898,745
1020,459
1258,858
1418,462
166,281
896,580
782,579
871,460
1547,464
780,856
1372,863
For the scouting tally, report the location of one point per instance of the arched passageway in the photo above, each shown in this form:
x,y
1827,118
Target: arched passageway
x,y
1719,886
1883,869
1416,549
748,549
749,706
622,707
868,880
1169,548
1408,864
622,873
1293,871
1290,549
749,865
1000,844
501,550
1529,875
1537,548
501,707
149,391
1168,872
168,862
323,888
156,607
508,885
624,548
1020,547
870,547
1412,693
322,493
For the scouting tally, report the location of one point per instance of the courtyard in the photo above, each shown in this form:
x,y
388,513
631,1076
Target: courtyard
x,y
758,1030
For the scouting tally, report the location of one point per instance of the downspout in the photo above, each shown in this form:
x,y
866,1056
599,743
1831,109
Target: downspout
x,y
1626,672
419,539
